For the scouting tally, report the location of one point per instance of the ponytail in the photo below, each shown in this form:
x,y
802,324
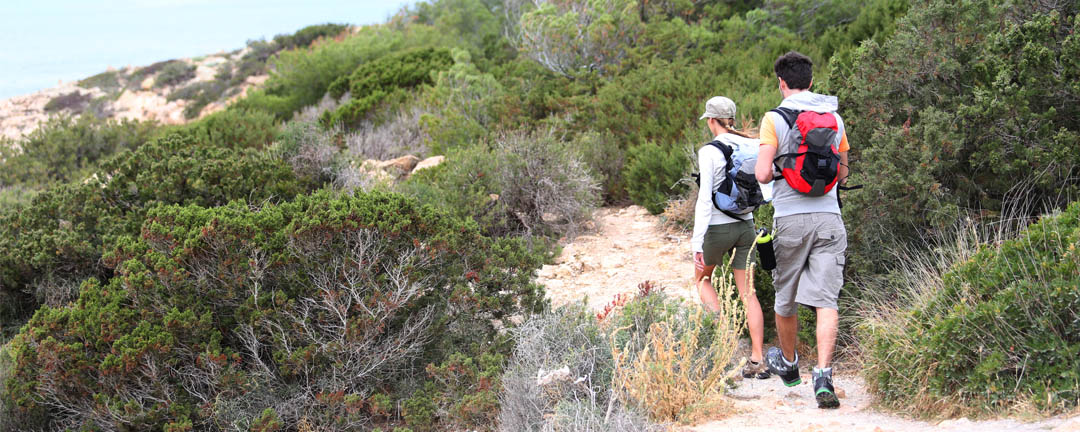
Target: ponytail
x,y
729,124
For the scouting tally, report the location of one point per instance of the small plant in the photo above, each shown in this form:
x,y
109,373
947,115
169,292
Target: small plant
x,y
678,368
174,73
75,102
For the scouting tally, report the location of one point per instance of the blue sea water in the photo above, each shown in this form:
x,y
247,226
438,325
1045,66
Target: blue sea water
x,y
43,42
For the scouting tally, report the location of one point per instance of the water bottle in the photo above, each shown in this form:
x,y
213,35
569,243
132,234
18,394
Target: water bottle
x,y
765,249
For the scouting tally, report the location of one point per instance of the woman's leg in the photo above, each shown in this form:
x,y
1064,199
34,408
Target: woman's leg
x,y
703,276
754,319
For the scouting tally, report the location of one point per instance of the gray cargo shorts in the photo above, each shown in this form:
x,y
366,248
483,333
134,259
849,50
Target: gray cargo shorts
x,y
809,261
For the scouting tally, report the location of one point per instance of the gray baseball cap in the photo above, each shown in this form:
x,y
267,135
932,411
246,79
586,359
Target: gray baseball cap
x,y
719,107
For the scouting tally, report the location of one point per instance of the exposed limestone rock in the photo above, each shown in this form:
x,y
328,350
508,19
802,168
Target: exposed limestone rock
x,y
428,163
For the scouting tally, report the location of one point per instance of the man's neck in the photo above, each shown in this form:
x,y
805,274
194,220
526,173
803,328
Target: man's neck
x,y
790,92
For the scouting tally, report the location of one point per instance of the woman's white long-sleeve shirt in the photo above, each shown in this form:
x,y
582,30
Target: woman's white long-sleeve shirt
x,y
712,166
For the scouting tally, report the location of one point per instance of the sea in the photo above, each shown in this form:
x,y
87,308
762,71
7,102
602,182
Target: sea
x,y
46,42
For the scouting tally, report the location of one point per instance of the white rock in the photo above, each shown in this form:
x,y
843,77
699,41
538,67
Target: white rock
x,y
544,378
429,163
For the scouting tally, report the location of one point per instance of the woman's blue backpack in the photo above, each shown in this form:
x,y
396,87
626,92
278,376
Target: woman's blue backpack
x,y
739,193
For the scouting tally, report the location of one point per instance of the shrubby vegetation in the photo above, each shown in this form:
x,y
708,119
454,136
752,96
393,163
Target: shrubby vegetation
x,y
991,320
950,129
519,184
66,149
642,363
307,308
374,82
189,277
47,246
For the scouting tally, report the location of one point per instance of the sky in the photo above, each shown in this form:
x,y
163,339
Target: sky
x,y
43,42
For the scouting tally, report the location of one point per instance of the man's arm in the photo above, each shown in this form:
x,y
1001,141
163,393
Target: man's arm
x,y
764,168
842,170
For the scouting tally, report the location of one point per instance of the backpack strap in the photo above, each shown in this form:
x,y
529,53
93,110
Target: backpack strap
x,y
725,149
789,115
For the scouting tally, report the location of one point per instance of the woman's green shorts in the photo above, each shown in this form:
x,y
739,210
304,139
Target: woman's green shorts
x,y
736,237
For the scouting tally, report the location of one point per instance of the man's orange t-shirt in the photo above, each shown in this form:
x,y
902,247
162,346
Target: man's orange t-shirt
x,y
768,134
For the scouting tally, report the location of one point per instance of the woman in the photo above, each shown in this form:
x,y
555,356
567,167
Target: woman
x,y
716,234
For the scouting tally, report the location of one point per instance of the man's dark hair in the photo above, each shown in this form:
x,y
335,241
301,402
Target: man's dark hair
x,y
795,69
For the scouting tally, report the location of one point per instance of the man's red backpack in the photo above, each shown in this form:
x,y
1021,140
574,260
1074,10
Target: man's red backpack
x,y
808,161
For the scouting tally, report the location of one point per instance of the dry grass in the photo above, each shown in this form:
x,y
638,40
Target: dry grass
x,y
681,371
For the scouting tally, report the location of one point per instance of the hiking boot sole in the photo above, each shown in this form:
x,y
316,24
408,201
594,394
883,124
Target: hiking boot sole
x,y
827,399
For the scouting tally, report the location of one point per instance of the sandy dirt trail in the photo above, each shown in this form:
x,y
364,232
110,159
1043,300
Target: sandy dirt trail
x,y
628,246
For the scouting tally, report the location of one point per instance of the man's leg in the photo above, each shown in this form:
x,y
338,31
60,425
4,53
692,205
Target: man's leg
x,y
787,329
827,322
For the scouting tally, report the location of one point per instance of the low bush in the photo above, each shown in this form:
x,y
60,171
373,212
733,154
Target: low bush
x,y
174,73
983,324
401,134
301,77
64,230
522,183
309,150
648,354
74,102
108,81
536,396
68,148
307,35
309,309
654,174
460,105
233,129
377,80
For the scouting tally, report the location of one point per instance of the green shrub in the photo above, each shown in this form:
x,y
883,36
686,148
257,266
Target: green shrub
x,y
961,110
68,148
460,105
579,37
654,174
989,326
65,229
108,81
233,129
75,102
174,73
301,77
372,82
522,183
199,95
307,307
305,36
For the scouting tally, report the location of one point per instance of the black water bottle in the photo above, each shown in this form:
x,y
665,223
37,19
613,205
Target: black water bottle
x,y
765,249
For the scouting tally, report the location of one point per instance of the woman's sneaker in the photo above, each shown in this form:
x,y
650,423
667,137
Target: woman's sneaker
x,y
823,389
788,371
755,370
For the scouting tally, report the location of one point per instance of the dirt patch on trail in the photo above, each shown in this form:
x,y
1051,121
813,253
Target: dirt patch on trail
x,y
627,246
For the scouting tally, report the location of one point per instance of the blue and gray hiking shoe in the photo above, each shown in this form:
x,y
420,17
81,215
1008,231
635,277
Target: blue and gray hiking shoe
x,y
788,371
823,389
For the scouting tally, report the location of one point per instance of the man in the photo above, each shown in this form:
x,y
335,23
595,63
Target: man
x,y
809,235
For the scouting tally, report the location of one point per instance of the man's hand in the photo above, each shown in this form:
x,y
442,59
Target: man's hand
x,y
699,262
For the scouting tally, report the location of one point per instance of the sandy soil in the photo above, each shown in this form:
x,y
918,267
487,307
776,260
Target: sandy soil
x,y
627,246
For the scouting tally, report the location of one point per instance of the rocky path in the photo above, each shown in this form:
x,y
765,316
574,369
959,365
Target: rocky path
x,y
628,245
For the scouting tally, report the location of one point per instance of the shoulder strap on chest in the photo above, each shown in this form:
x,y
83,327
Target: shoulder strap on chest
x,y
789,115
725,149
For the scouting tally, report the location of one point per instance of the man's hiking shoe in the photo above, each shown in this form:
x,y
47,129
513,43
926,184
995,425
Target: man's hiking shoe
x,y
823,389
755,370
788,372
